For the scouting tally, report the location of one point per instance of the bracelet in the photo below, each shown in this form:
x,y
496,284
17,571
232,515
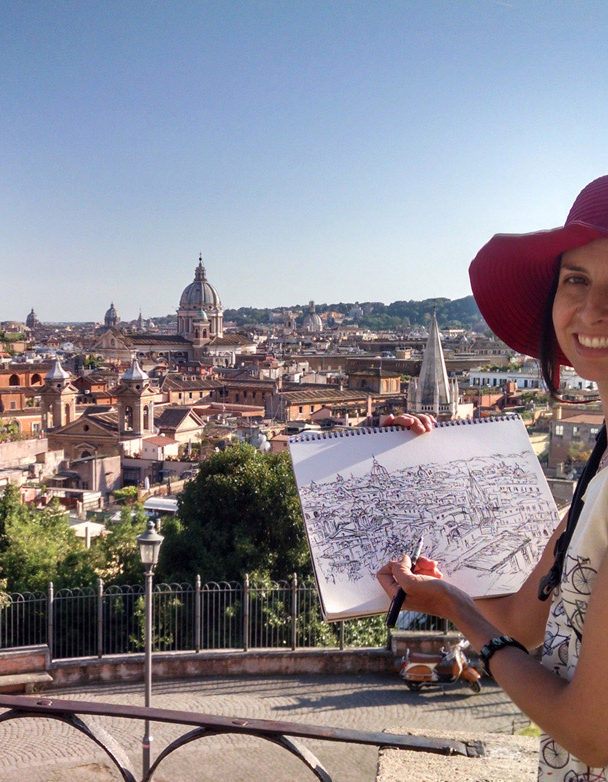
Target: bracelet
x,y
494,645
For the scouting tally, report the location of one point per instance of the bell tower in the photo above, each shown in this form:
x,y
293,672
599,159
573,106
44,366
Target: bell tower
x,y
135,403
57,398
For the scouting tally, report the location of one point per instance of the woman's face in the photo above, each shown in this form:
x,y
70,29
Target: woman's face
x,y
580,311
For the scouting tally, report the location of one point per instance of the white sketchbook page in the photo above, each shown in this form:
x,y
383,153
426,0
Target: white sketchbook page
x,y
474,490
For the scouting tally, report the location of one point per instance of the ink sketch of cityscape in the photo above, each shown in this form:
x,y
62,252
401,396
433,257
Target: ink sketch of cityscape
x,y
486,519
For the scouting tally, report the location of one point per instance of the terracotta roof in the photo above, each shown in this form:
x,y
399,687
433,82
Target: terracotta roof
x,y
231,339
172,417
583,418
322,395
160,440
180,384
107,420
375,371
243,383
159,339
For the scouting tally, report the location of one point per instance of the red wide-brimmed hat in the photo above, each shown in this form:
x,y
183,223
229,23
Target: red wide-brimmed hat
x,y
512,274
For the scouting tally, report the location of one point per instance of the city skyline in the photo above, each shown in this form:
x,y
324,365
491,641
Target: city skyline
x,y
312,151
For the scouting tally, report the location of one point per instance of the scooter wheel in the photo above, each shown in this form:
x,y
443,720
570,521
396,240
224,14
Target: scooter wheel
x,y
414,686
475,686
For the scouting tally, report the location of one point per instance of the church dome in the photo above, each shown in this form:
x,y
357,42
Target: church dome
x,y
135,372
56,373
312,321
111,317
31,321
200,293
202,317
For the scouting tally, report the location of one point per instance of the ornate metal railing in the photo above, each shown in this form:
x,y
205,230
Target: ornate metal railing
x,y
108,620
283,734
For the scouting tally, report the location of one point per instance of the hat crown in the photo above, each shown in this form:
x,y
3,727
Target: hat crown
x,y
591,204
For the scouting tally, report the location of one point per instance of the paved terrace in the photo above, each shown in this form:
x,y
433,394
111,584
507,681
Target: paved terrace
x,y
41,750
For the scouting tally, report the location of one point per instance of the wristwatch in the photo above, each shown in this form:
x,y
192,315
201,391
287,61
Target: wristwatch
x,y
494,645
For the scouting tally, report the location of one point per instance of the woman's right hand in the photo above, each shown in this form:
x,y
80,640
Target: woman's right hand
x,y
425,589
419,423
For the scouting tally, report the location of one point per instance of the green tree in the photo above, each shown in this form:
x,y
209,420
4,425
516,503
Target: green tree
x,y
239,514
117,554
126,496
39,546
93,361
9,430
10,509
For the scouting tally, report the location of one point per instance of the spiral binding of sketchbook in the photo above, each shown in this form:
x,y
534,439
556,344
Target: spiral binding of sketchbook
x,y
362,430
475,492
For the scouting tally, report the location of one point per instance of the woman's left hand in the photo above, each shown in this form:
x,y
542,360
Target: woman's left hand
x,y
419,423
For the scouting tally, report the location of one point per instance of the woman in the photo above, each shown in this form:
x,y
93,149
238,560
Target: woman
x,y
546,295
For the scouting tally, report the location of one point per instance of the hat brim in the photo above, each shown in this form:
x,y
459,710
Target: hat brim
x,y
511,278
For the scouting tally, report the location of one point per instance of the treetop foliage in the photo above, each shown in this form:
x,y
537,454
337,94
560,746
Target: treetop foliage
x,y
457,313
240,514
38,546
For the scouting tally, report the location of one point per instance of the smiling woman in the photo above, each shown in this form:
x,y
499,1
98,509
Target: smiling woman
x,y
580,311
546,294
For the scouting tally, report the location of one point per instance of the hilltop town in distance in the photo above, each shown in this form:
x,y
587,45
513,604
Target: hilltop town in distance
x,y
89,408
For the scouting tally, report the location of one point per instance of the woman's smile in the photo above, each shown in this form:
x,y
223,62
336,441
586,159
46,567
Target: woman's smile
x,y
593,342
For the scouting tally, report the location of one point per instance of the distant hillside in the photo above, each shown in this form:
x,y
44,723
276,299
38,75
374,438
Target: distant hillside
x,y
459,313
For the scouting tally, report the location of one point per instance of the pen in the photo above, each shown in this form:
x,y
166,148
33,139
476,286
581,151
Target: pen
x,y
397,601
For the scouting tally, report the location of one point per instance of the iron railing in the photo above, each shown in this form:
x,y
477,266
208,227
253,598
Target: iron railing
x,y
83,715
109,620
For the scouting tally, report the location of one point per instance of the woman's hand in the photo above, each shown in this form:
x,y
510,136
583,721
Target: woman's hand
x,y
419,424
424,589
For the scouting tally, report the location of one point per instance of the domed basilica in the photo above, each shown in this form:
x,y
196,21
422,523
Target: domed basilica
x,y
200,331
200,316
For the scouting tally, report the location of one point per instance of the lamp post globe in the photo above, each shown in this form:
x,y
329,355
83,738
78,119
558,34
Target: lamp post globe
x,y
149,543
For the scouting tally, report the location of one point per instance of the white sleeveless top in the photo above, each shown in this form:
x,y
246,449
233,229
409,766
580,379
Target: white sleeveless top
x,y
561,647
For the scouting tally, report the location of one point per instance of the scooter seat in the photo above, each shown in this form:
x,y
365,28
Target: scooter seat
x,y
421,657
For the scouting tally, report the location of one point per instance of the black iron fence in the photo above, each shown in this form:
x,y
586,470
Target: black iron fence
x,y
108,620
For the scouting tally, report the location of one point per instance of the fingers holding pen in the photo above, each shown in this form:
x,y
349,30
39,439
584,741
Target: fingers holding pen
x,y
427,567
399,573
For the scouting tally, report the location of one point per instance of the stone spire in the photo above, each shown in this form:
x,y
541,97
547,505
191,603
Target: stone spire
x,y
432,392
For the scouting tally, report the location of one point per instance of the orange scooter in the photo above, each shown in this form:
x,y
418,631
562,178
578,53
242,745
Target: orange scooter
x,y
448,666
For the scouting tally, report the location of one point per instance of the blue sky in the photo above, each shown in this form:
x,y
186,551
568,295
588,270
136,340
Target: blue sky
x,y
334,151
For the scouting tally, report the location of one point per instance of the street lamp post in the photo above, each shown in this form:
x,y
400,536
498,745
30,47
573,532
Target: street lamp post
x,y
149,546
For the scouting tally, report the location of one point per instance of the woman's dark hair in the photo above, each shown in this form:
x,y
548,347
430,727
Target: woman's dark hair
x,y
548,340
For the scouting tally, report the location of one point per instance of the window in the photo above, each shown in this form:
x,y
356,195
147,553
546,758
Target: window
x,y
301,409
559,430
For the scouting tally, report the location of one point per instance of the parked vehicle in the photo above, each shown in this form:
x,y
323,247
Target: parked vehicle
x,y
449,666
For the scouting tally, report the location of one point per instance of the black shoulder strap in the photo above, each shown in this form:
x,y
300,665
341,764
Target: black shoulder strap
x,y
553,577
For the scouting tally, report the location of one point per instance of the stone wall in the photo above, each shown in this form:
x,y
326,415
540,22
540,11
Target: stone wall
x,y
179,665
22,452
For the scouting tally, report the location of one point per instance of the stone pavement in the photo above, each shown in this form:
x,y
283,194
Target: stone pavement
x,y
42,750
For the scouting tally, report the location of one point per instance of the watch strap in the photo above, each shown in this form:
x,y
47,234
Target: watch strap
x,y
494,645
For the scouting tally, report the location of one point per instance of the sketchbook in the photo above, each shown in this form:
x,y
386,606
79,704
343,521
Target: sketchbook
x,y
473,488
